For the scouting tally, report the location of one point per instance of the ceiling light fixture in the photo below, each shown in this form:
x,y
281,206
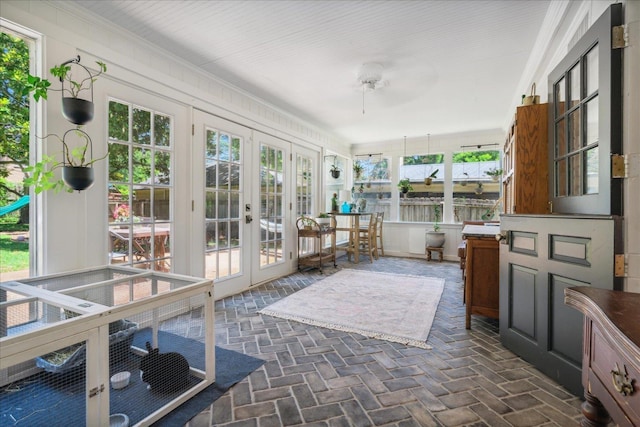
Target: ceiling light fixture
x,y
370,78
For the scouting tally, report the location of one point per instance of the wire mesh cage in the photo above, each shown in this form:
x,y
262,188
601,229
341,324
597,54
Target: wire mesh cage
x,y
132,346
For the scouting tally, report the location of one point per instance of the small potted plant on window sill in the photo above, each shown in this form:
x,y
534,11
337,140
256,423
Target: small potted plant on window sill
x,y
428,180
494,173
77,168
75,108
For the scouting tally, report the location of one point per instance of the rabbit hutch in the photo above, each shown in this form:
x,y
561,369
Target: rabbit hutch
x,y
103,346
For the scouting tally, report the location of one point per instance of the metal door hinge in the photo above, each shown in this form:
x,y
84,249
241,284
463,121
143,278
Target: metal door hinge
x,y
193,129
290,255
193,205
619,265
618,166
619,37
96,390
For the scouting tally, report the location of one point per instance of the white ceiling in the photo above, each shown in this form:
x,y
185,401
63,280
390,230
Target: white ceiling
x,y
451,66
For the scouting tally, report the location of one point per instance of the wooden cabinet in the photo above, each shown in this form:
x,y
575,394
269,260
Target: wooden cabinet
x,y
525,165
611,355
313,249
482,272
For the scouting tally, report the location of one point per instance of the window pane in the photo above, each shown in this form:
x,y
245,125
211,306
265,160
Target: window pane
x,y
141,126
574,82
575,175
141,165
591,162
591,66
162,168
118,121
560,97
235,149
161,204
561,140
118,162
591,119
210,205
223,153
561,178
574,131
162,130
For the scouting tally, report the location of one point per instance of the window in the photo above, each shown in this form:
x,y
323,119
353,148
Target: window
x,y
476,194
425,202
372,187
140,186
17,148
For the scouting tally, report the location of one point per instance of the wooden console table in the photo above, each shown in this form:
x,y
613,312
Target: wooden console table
x,y
482,272
611,355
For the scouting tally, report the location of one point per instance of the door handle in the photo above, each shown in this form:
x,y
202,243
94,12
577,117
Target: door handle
x,y
248,219
503,237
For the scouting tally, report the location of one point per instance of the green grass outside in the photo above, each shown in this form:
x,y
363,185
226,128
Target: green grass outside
x,y
14,256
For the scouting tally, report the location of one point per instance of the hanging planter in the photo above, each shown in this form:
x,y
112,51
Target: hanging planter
x,y
78,177
75,109
77,167
78,111
335,172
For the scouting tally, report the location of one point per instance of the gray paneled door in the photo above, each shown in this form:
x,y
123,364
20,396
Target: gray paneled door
x,y
543,255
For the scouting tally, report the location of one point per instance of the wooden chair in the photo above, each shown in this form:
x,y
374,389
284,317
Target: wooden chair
x,y
379,245
366,238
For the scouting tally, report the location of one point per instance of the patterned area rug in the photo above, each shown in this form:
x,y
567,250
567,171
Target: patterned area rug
x,y
391,307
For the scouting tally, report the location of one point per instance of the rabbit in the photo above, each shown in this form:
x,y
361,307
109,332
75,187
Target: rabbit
x,y
164,372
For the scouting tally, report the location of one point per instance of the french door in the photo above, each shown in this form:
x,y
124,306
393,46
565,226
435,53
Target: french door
x,y
241,207
272,217
221,228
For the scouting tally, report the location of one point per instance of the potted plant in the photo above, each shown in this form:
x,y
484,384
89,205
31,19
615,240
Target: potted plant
x,y
76,109
430,178
435,237
77,168
404,185
357,169
478,188
323,218
494,173
335,171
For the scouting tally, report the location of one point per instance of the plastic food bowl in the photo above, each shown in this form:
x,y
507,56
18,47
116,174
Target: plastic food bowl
x,y
120,380
118,420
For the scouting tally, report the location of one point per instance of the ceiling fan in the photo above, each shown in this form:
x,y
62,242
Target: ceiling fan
x,y
370,78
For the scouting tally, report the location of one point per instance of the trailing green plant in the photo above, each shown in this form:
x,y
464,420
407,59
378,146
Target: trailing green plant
x,y
436,217
323,215
434,174
40,87
41,174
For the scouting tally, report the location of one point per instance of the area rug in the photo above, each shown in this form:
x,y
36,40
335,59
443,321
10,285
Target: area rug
x,y
392,307
37,400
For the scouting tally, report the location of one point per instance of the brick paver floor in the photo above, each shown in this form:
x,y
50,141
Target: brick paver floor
x,y
321,377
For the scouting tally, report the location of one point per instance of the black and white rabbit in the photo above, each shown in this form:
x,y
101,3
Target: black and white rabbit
x,y
164,372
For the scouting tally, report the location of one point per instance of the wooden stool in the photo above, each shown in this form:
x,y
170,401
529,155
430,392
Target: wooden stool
x,y
440,251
